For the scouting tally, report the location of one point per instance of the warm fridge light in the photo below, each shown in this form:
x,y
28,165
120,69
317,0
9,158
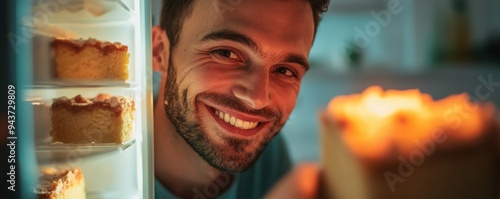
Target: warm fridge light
x,y
376,122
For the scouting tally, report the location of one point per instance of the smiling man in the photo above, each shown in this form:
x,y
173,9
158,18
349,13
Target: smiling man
x,y
231,73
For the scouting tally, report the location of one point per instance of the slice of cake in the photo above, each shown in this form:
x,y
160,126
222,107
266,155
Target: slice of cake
x,y
103,119
60,184
403,144
90,59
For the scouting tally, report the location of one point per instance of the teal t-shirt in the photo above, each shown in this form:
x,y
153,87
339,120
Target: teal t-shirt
x,y
273,163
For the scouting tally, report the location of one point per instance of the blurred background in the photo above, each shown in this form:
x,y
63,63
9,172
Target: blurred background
x,y
441,47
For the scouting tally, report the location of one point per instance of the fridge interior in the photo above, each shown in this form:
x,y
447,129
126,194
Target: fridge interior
x,y
111,170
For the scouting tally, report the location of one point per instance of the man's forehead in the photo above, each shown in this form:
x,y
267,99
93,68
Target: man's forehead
x,y
276,13
280,21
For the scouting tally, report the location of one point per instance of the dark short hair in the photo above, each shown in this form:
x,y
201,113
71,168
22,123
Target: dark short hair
x,y
174,12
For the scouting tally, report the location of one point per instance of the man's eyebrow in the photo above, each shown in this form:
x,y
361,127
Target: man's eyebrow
x,y
298,59
247,41
232,36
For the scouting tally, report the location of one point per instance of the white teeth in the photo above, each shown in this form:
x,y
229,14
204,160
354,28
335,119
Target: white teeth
x,y
246,125
238,123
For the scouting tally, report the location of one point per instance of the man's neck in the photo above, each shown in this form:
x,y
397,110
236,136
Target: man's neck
x,y
177,166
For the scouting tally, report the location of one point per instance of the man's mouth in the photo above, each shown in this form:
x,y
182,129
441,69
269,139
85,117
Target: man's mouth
x,y
236,122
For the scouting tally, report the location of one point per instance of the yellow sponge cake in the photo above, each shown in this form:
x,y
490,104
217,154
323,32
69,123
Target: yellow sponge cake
x,y
90,59
103,119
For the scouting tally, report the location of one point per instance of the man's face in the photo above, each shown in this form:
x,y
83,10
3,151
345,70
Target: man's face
x,y
235,75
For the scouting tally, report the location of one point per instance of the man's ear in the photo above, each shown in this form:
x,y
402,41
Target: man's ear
x,y
161,49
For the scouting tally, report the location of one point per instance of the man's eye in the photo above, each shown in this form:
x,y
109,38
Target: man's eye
x,y
285,71
226,54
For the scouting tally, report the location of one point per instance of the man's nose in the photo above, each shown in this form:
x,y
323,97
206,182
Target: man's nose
x,y
253,88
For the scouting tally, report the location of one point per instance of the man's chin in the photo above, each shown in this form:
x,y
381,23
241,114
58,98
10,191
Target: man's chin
x,y
233,156
233,162
234,168
224,151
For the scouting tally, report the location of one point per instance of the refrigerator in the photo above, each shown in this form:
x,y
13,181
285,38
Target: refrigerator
x,y
111,170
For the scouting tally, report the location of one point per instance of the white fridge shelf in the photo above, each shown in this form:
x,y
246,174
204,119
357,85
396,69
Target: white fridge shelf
x,y
59,153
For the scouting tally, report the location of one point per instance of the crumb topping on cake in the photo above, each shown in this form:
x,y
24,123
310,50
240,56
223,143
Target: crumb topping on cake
x,y
104,46
53,181
80,103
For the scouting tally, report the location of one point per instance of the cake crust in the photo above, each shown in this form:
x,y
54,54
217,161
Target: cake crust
x,y
105,47
79,103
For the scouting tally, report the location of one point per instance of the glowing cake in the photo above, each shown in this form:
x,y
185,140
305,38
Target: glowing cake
x,y
403,144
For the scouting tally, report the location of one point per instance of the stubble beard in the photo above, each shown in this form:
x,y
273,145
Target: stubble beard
x,y
231,156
